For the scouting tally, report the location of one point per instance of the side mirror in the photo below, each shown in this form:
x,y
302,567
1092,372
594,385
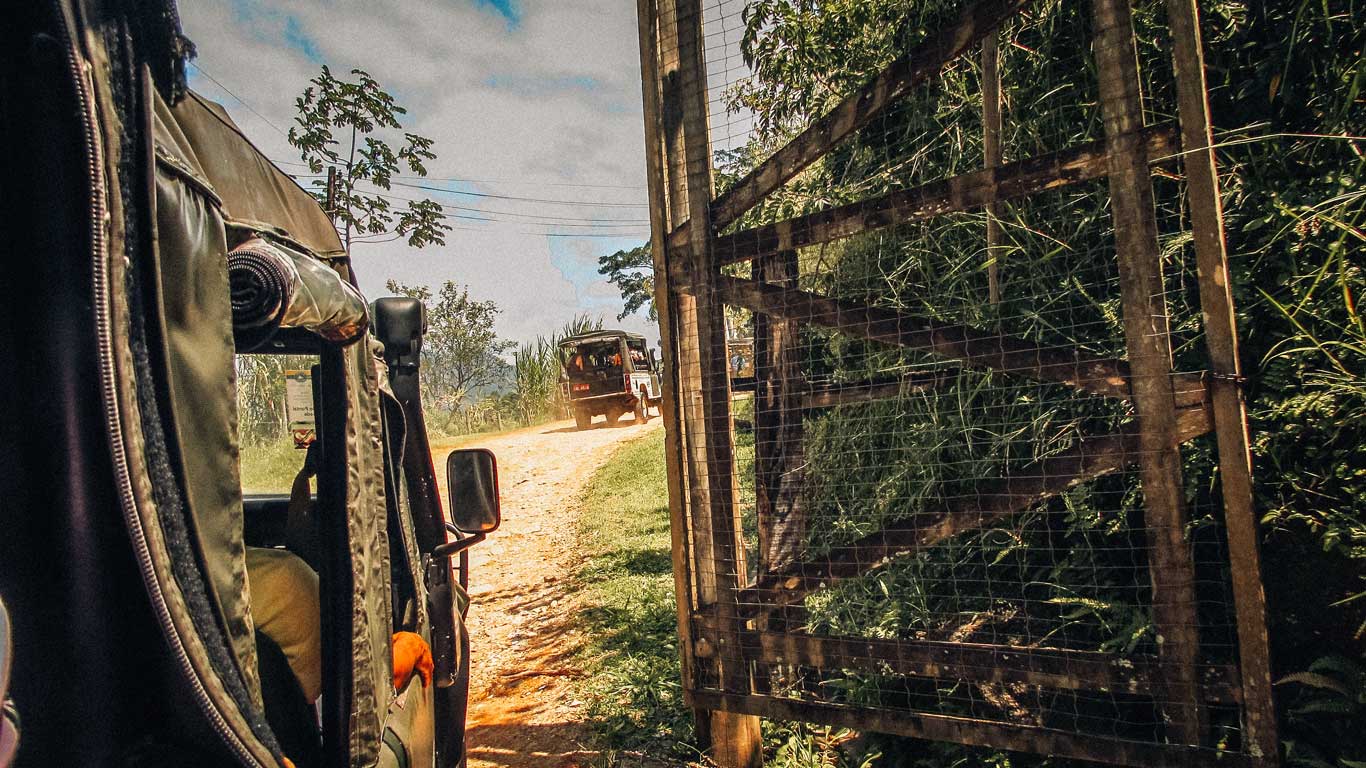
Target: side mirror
x,y
472,477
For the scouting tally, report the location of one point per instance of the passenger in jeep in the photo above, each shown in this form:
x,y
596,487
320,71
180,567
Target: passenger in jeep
x,y
285,607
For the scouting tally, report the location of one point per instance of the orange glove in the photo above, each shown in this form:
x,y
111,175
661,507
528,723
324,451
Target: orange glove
x,y
411,654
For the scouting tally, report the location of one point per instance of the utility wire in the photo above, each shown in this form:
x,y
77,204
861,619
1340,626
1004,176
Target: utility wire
x,y
487,195
462,180
634,187
559,221
296,163
241,101
543,201
627,227
546,218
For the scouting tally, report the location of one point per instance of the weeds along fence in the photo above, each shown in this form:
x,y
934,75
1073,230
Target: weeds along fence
x,y
989,480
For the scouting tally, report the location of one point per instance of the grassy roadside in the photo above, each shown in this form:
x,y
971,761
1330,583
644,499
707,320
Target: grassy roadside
x,y
631,687
271,467
632,691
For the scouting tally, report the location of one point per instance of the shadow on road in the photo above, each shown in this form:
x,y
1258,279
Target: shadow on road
x,y
514,745
524,745
594,425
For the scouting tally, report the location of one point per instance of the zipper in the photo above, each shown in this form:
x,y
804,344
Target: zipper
x,y
80,74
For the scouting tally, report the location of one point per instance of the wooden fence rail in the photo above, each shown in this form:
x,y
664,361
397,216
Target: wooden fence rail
x,y
752,557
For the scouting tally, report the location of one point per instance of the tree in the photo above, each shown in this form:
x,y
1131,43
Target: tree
x,y
461,352
332,111
806,56
632,272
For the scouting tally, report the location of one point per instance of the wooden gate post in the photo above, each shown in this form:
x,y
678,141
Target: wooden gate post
x,y
1230,416
992,156
700,374
666,307
1146,334
778,390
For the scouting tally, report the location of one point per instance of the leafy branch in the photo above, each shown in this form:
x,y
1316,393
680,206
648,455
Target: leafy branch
x,y
334,128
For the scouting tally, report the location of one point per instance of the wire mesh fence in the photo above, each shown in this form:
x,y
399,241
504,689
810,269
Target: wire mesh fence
x,y
969,488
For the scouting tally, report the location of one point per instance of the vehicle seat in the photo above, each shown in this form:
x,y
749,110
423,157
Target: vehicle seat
x,y
288,711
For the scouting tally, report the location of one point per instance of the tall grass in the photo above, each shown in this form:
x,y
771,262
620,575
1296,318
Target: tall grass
x,y
536,393
633,694
1071,573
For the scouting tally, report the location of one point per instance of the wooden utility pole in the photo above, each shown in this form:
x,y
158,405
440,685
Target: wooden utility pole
x,y
331,206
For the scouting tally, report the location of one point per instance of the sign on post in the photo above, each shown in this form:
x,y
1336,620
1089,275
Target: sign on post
x,y
299,407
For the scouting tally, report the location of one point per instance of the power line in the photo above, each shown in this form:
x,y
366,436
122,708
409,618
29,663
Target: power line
x,y
628,228
240,100
549,221
491,220
543,217
531,183
628,225
487,195
462,180
298,164
491,196
544,201
576,234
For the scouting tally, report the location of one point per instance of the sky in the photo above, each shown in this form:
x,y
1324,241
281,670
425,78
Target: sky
x,y
535,108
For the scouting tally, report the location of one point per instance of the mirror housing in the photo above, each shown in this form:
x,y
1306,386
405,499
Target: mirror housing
x,y
400,323
472,481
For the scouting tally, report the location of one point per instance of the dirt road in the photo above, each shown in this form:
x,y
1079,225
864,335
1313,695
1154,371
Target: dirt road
x,y
522,710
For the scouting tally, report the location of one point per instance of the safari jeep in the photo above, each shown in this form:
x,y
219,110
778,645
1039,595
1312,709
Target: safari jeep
x,y
150,613
609,373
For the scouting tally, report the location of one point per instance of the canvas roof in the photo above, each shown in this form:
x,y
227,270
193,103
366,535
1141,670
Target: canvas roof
x,y
255,193
599,336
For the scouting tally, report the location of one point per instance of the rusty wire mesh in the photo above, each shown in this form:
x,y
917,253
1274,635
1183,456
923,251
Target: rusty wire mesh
x,y
914,466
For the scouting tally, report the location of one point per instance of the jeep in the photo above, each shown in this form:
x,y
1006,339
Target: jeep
x,y
147,246
609,373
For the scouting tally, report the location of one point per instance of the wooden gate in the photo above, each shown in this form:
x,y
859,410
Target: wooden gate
x,y
989,482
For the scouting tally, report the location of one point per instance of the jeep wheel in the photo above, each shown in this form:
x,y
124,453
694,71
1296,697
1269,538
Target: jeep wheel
x,y
642,414
582,419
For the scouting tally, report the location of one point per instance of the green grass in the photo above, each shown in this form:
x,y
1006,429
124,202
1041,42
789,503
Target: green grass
x,y
632,690
270,468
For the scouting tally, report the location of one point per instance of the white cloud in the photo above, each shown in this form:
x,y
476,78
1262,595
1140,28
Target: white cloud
x,y
552,100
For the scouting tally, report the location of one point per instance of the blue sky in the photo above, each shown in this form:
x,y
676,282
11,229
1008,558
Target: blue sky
x,y
535,110
508,9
